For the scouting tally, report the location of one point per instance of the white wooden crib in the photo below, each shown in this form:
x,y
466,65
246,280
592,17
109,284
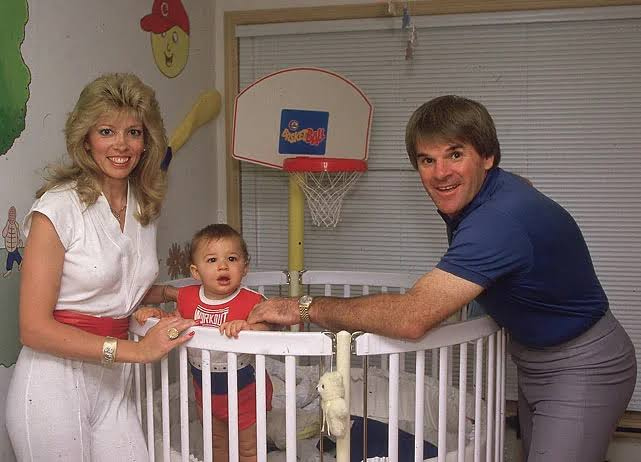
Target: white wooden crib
x,y
386,380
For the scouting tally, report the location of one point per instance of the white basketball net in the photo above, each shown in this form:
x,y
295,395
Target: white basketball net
x,y
324,192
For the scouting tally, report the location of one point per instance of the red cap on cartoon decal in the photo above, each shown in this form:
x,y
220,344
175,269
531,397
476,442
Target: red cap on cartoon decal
x,y
164,15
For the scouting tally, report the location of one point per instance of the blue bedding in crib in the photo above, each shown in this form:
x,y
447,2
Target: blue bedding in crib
x,y
377,442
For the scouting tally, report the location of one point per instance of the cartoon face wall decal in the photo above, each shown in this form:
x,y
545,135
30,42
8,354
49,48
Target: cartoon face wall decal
x,y
168,24
170,50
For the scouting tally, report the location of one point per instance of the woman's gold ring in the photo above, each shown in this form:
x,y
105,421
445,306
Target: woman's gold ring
x,y
172,333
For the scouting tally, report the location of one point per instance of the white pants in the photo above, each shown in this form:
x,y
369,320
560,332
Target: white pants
x,y
62,409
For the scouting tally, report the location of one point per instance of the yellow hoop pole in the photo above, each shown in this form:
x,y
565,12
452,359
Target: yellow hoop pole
x,y
296,230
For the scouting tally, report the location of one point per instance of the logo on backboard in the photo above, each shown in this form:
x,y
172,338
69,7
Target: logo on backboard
x,y
303,132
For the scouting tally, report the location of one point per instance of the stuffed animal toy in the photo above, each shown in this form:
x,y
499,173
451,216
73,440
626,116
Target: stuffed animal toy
x,y
335,412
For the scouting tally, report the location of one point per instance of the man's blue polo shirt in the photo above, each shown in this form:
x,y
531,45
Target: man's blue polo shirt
x,y
530,256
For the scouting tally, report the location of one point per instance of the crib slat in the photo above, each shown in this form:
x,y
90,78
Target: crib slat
x,y
392,436
442,403
149,392
478,395
261,406
290,408
343,366
365,411
206,388
164,393
490,397
232,405
419,406
462,400
184,403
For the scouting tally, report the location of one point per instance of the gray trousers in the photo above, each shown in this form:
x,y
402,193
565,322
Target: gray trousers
x,y
572,395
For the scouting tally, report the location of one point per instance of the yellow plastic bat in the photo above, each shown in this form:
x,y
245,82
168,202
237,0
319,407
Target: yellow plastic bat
x,y
205,109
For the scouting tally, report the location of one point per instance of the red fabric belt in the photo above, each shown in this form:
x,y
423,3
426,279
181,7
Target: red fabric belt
x,y
118,328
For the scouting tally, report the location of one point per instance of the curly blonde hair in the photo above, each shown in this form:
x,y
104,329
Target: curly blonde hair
x,y
114,93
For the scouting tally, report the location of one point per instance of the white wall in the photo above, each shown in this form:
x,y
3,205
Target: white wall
x,y
66,45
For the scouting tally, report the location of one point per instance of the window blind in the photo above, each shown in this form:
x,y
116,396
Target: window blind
x,y
565,94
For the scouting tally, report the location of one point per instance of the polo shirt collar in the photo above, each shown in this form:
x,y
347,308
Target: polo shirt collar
x,y
484,194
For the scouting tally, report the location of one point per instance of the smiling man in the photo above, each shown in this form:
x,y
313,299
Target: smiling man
x,y
523,258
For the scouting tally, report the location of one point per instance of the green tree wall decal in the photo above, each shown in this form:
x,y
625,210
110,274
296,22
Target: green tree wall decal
x,y
14,74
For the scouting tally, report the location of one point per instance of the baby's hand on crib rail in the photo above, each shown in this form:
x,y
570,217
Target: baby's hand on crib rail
x,y
142,314
232,328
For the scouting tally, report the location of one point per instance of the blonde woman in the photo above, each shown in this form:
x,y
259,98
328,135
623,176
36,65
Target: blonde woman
x,y
89,261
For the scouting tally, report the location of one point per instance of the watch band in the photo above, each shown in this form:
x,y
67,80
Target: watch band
x,y
304,313
303,308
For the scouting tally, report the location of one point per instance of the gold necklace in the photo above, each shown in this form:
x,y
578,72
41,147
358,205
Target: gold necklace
x,y
119,212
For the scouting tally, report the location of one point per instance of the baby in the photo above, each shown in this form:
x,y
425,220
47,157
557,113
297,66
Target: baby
x,y
219,260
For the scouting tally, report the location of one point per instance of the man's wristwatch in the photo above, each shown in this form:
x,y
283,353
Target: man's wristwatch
x,y
303,307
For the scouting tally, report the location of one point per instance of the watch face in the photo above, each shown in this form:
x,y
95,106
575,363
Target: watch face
x,y
305,300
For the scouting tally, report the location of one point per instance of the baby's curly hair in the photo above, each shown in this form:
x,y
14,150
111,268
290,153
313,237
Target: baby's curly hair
x,y
214,232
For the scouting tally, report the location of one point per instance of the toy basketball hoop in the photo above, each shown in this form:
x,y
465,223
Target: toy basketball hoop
x,y
325,182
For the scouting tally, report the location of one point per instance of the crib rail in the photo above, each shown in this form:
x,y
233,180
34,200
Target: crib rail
x,y
353,278
260,344
483,368
442,340
443,336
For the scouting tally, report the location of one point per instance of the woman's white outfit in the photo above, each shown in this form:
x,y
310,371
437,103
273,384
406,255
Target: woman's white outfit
x,y
63,409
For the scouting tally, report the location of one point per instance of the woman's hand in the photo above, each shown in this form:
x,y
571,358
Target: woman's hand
x,y
157,343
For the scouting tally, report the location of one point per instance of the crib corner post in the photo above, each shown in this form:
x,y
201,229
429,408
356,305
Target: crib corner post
x,y
343,365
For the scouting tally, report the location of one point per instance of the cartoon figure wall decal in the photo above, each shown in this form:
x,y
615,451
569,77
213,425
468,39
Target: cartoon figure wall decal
x,y
168,24
9,287
12,242
14,74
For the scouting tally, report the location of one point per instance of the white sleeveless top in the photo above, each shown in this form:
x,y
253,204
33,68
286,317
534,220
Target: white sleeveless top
x,y
106,272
